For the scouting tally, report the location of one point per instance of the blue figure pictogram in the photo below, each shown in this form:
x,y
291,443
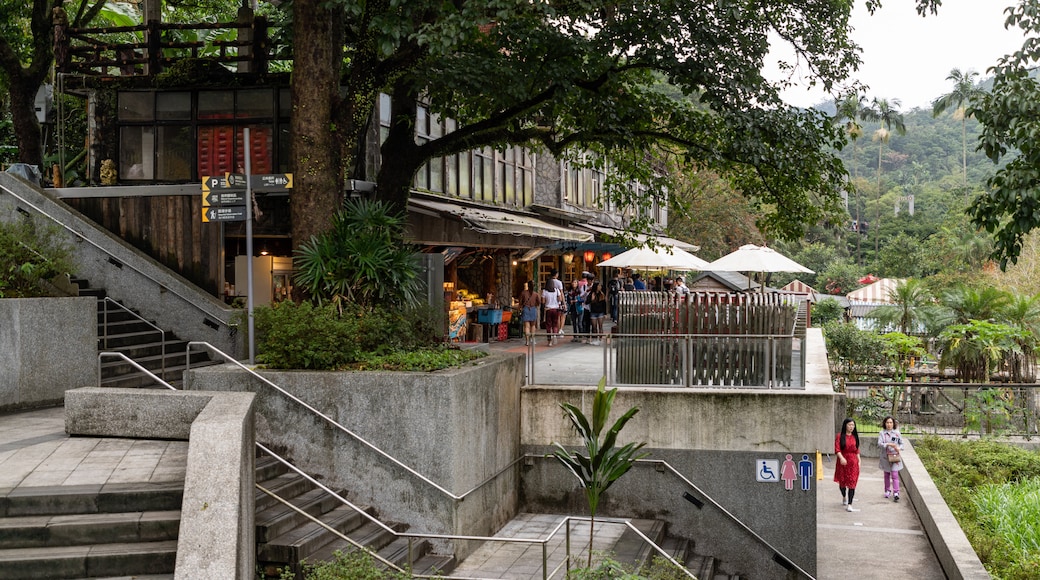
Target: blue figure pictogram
x,y
806,471
765,473
788,473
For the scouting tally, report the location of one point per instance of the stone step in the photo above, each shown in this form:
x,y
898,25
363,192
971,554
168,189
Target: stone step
x,y
285,486
97,560
101,528
307,539
278,519
90,499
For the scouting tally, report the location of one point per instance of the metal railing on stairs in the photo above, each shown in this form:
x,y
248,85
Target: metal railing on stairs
x,y
105,251
162,333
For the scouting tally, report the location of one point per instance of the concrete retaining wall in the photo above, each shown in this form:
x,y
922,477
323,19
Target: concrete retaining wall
x,y
217,531
456,427
714,439
47,345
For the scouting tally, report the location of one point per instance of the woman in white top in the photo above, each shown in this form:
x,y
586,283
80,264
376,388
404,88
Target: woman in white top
x,y
552,299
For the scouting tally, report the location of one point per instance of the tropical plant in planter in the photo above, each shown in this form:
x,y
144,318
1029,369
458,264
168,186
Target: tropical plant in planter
x,y
603,463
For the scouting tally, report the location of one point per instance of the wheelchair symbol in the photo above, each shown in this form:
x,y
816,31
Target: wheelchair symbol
x,y
767,470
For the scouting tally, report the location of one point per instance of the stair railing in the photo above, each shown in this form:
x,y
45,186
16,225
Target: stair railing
x,y
131,362
98,247
329,420
162,333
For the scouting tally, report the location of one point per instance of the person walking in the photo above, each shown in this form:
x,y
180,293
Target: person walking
x,y
614,287
576,308
529,302
890,441
552,299
597,300
846,472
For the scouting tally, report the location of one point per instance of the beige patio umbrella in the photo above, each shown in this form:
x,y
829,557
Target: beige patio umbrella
x,y
751,258
662,258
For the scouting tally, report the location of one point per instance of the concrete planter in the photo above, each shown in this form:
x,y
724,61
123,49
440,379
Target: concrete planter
x,y
48,345
456,427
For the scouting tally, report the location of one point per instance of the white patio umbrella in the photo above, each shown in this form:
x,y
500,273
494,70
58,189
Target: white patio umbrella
x,y
751,258
647,259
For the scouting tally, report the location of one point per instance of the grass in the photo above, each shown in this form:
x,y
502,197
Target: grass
x,y
993,489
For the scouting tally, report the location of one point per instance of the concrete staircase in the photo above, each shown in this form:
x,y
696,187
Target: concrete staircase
x,y
90,531
285,538
631,549
120,331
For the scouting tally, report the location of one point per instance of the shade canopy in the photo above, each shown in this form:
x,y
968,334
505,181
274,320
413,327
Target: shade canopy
x,y
752,258
660,258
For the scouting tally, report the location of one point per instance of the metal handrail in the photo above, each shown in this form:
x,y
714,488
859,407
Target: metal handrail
x,y
133,364
735,519
162,333
323,416
42,212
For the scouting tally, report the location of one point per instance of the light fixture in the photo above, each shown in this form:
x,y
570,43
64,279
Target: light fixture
x,y
606,256
263,251
514,262
590,256
568,257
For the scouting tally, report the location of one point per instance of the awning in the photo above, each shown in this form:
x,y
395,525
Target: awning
x,y
642,238
489,221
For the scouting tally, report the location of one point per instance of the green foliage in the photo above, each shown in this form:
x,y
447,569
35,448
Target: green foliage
x,y
827,310
603,463
610,569
912,308
902,350
363,259
345,336
840,277
976,349
970,475
355,565
32,254
853,352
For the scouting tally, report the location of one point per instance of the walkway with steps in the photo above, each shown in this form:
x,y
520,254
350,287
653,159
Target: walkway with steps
x,y
120,331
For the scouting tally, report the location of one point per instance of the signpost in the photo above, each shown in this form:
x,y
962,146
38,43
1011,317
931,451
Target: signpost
x,y
229,198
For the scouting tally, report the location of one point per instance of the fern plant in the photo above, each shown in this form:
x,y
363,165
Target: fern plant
x,y
603,463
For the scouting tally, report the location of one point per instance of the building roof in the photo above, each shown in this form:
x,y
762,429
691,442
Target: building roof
x,y
876,293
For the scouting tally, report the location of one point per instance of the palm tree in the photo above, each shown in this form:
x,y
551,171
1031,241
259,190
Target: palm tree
x,y
850,109
967,303
887,113
604,463
912,304
964,90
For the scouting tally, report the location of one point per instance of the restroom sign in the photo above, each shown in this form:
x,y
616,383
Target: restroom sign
x,y
767,470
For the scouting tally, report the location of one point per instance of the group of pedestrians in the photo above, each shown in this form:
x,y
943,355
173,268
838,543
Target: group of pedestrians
x,y
587,304
846,449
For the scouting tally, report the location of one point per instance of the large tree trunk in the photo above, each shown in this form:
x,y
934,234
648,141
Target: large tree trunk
x,y
23,118
316,164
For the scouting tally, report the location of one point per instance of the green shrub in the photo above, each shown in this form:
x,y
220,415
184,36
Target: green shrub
x,y
826,310
346,566
32,254
969,474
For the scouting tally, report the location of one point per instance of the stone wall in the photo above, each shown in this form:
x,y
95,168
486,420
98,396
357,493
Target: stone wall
x,y
47,345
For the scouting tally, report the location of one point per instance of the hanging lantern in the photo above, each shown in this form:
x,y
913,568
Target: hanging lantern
x,y
590,256
568,257
606,256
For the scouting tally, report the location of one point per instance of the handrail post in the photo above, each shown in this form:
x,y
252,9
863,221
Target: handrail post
x,y
545,561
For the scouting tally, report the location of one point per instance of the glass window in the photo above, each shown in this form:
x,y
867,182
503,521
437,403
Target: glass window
x,y
285,103
173,106
136,106
465,178
437,175
175,146
255,103
451,175
216,104
136,153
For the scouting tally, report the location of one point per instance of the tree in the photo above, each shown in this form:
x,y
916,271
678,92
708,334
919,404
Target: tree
x,y
574,77
964,90
911,304
887,113
603,463
1010,125
25,61
851,108
968,303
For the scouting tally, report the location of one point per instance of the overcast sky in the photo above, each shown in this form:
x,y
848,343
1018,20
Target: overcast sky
x,y
908,57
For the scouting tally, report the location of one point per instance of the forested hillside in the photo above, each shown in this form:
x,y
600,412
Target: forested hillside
x,y
935,242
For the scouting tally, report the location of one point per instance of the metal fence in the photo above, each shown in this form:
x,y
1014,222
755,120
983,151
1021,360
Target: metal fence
x,y
983,409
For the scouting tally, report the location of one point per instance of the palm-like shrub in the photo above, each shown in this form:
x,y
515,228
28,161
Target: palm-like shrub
x,y
978,348
362,259
602,463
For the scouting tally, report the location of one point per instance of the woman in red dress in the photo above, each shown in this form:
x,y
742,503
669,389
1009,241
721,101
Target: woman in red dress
x,y
846,472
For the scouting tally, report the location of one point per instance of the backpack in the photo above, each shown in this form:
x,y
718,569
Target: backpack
x,y
614,286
